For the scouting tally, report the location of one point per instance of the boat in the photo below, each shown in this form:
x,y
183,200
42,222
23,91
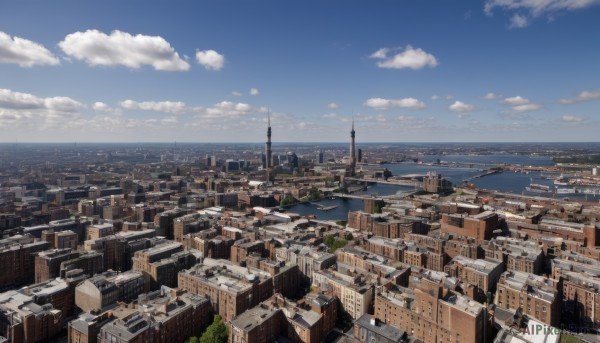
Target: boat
x,y
537,188
327,208
567,191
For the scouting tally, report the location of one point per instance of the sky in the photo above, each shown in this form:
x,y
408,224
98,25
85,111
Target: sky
x,y
213,71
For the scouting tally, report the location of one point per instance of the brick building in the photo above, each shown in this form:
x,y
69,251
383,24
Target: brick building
x,y
231,289
161,316
536,296
479,226
17,260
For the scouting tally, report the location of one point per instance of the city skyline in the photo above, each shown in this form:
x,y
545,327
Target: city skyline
x,y
496,70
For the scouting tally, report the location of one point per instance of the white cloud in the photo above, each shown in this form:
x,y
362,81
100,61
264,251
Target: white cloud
x,y
583,96
227,109
210,59
236,93
408,58
122,48
381,53
434,97
330,115
27,110
522,10
520,104
17,100
23,52
449,97
253,91
173,107
527,107
62,103
384,104
518,21
332,105
516,100
571,118
491,96
100,106
461,107
104,108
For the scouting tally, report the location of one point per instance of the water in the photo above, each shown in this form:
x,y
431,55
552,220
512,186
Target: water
x,y
509,182
340,213
522,160
345,205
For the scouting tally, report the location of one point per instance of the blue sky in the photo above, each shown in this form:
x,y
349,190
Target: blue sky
x,y
206,71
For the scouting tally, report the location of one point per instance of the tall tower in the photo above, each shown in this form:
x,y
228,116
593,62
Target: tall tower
x,y
269,157
352,150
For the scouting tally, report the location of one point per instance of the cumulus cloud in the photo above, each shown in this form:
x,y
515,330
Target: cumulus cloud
x,y
23,109
435,97
461,107
522,10
583,96
569,118
100,106
210,59
527,107
408,58
384,104
104,108
236,93
520,104
23,52
491,96
121,48
332,105
253,91
173,107
227,109
17,100
518,21
515,100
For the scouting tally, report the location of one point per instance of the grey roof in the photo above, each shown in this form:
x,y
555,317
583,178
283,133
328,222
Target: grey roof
x,y
369,322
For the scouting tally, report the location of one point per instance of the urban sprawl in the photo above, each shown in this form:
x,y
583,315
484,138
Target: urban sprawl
x,y
114,243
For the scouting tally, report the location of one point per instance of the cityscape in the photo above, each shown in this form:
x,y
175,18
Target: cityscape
x,y
305,172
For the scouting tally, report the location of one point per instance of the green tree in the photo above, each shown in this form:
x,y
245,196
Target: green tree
x,y
287,200
329,240
194,339
215,332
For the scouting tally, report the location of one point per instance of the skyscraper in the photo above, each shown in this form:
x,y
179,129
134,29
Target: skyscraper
x,y
269,157
352,151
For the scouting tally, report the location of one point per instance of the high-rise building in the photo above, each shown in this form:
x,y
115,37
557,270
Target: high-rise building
x,y
352,151
269,157
320,157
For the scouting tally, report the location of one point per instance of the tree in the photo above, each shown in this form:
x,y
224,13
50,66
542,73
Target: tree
x,y
287,200
328,240
377,208
215,332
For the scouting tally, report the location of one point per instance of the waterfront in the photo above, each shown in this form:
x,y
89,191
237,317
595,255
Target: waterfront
x,y
507,182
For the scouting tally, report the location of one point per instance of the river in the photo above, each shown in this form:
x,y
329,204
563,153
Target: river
x,y
504,182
